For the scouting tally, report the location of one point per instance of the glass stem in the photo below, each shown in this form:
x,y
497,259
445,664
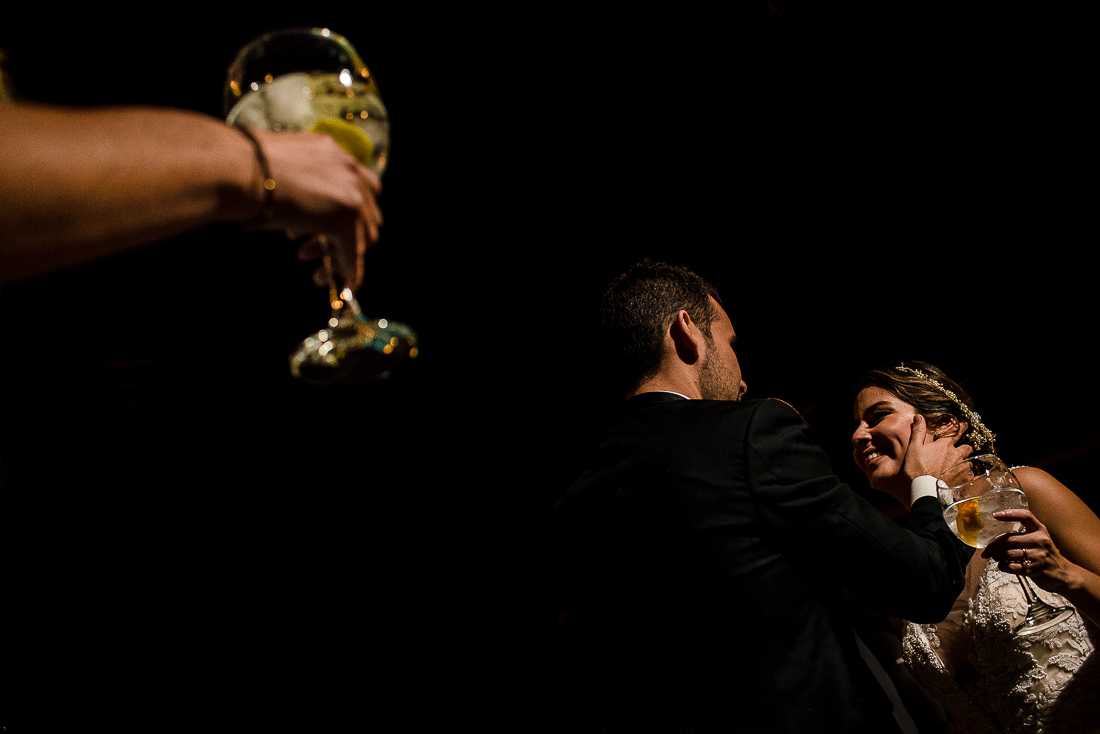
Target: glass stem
x,y
1029,591
340,297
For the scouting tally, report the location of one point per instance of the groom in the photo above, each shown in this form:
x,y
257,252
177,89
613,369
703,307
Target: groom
x,y
706,547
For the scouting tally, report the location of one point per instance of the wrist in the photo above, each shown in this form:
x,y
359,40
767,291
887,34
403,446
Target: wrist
x,y
244,171
1074,580
922,486
266,188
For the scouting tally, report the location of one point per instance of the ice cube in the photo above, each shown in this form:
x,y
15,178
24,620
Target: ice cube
x,y
287,101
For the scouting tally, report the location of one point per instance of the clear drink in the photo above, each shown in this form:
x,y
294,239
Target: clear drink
x,y
337,104
312,80
972,519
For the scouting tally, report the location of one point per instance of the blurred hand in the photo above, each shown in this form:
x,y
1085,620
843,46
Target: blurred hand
x,y
320,189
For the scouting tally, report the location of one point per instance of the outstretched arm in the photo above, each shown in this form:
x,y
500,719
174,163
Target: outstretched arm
x,y
913,573
81,184
1060,542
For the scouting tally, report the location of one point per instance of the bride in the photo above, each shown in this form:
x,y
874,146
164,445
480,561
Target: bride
x,y
988,679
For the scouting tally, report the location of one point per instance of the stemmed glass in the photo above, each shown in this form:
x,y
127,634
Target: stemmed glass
x,y
970,493
311,79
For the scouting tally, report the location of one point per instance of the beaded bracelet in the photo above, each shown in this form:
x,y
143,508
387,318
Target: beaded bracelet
x,y
267,208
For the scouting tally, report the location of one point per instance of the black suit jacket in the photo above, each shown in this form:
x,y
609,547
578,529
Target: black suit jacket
x,y
703,554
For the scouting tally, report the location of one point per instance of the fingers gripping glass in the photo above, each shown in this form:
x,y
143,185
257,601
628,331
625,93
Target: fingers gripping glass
x,y
312,80
970,493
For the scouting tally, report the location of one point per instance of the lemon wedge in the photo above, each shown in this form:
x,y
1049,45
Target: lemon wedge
x,y
969,522
350,138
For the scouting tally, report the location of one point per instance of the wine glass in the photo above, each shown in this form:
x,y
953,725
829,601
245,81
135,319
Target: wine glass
x,y
970,493
311,79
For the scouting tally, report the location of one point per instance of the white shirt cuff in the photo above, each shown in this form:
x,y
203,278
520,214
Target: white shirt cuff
x,y
924,486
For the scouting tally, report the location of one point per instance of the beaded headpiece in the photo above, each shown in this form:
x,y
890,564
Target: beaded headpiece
x,y
979,434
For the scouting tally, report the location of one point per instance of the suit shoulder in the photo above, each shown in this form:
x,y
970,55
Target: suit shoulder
x,y
772,403
774,407
765,415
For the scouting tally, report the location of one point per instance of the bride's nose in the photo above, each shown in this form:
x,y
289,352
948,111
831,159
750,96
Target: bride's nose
x,y
861,434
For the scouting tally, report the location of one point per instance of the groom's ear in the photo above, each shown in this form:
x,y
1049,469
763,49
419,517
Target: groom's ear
x,y
686,338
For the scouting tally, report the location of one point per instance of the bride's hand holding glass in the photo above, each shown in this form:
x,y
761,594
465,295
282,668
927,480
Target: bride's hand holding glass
x,y
982,500
1030,552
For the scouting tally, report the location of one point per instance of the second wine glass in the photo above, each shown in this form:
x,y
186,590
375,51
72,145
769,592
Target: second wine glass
x,y
312,80
970,492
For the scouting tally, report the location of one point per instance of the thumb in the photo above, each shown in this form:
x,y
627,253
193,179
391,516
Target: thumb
x,y
919,430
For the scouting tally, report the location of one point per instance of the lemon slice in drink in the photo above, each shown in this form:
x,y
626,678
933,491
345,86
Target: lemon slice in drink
x,y
969,522
350,138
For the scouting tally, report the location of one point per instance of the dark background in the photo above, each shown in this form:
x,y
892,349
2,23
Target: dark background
x,y
194,539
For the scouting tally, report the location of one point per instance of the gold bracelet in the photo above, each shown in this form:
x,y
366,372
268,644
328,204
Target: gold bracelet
x,y
268,206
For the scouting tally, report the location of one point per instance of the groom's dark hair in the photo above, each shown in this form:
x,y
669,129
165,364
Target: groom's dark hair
x,y
637,308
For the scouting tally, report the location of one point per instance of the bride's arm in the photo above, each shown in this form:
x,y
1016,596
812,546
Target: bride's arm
x,y
1061,542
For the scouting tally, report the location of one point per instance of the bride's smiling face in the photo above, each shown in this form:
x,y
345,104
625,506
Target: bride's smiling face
x,y
884,423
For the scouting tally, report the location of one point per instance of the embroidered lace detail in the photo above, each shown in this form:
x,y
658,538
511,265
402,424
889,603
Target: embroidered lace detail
x,y
993,682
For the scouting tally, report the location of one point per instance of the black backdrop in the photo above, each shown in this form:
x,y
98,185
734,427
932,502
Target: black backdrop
x,y
193,538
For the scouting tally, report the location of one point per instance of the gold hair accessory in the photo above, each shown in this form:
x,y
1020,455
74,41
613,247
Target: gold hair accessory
x,y
979,434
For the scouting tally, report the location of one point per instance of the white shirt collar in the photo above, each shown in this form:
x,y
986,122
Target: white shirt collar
x,y
670,392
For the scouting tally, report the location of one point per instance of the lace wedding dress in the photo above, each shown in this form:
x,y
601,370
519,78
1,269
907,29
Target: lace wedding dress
x,y
991,681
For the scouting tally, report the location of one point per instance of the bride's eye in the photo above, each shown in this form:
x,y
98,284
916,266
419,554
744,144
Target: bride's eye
x,y
877,416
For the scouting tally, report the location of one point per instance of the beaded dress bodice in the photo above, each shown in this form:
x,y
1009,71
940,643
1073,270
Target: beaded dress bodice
x,y
993,682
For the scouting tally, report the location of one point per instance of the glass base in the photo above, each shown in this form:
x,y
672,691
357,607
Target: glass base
x,y
355,351
1040,616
